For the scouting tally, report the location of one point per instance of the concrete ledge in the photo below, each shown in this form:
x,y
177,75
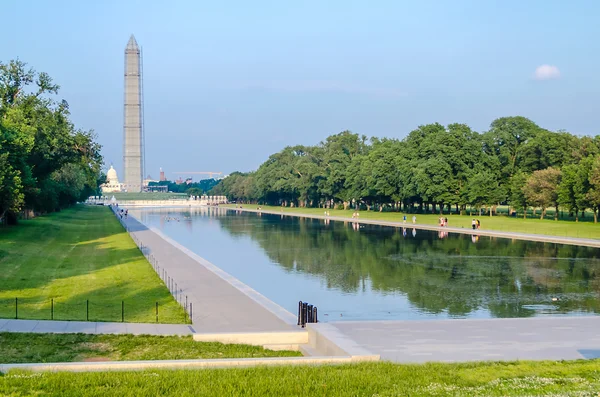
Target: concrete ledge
x,y
256,338
328,340
279,347
174,364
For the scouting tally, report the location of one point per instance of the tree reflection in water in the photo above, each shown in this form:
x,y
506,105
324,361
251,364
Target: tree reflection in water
x,y
456,274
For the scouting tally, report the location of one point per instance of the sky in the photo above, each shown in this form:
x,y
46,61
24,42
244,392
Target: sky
x,y
226,84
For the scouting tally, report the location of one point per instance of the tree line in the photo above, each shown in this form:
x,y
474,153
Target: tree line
x,y
435,168
45,162
193,189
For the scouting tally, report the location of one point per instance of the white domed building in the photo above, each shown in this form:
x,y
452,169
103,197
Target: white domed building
x,y
112,182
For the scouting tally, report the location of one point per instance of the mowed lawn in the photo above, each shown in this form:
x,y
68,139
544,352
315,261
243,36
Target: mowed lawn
x,y
83,259
54,348
500,223
548,378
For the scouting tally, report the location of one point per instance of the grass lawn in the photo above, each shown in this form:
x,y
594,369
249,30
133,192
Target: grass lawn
x,y
54,348
500,223
575,378
78,255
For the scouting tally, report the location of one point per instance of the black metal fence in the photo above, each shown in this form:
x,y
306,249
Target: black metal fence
x,y
174,288
85,310
307,314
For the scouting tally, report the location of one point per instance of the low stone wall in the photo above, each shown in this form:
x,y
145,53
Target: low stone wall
x,y
157,203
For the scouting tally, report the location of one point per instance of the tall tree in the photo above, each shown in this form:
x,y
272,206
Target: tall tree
x,y
541,189
46,162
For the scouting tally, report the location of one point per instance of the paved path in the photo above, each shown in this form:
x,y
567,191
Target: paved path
x,y
541,338
587,242
88,327
221,303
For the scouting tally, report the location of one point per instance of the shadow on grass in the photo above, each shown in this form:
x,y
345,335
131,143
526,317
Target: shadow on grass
x,y
37,255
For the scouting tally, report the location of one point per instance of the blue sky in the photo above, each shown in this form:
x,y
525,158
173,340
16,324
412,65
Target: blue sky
x,y
229,83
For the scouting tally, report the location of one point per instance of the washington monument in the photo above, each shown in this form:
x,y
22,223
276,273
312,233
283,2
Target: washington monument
x,y
133,138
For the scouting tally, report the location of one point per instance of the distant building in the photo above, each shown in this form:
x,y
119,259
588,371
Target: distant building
x,y
112,184
148,180
162,175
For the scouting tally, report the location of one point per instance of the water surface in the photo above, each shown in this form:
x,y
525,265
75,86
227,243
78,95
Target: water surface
x,y
383,273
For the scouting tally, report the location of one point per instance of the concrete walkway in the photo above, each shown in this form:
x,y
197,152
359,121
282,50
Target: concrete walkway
x,y
221,303
541,338
88,327
586,242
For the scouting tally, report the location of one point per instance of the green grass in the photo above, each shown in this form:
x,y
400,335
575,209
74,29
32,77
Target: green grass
x,y
78,255
575,378
54,348
147,196
500,223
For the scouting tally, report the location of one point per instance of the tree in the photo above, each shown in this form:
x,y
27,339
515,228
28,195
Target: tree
x,y
574,188
484,189
194,191
507,139
593,194
541,189
518,199
46,163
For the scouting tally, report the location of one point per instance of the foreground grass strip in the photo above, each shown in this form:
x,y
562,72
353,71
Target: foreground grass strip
x,y
498,223
575,378
75,256
53,348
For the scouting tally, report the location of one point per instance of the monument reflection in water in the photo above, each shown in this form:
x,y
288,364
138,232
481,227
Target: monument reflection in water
x,y
378,272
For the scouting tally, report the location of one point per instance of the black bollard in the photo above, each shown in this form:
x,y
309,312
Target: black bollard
x,y
304,313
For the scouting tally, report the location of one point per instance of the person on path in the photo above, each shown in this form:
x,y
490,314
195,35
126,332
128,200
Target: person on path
x,y
126,212
414,219
473,224
404,219
478,224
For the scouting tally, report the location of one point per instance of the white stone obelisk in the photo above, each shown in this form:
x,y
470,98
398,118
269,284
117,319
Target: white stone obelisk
x,y
132,124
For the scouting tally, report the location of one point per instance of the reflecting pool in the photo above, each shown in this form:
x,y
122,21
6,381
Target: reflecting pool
x,y
373,272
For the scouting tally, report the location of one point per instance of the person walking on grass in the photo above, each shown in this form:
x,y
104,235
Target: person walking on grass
x,y
474,224
414,219
404,219
478,224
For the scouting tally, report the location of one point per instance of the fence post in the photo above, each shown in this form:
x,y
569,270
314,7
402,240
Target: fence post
x,y
16,308
52,309
191,312
186,304
122,311
157,312
87,310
